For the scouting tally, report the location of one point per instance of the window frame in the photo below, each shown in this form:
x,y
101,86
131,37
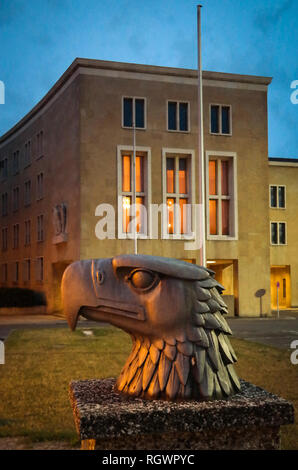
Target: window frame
x,y
26,278
15,201
40,230
16,236
39,187
219,155
4,162
39,147
286,233
190,155
134,98
27,203
4,246
4,207
25,232
146,151
177,116
39,279
277,200
221,105
4,269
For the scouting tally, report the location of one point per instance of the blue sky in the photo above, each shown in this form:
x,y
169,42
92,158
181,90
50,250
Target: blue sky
x,y
40,38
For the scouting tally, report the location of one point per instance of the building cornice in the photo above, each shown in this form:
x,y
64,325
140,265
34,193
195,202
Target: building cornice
x,y
82,66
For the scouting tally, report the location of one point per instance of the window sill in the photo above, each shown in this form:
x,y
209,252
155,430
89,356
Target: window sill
x,y
178,131
220,134
221,238
136,128
278,208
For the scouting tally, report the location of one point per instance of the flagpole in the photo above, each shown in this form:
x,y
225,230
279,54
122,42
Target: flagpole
x,y
201,164
134,187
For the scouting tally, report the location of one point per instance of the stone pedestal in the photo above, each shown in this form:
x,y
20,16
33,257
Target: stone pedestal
x,y
109,421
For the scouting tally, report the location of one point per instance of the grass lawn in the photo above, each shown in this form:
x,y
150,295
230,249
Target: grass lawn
x,y
40,364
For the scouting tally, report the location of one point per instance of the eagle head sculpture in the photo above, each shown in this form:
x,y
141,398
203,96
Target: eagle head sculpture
x,y
173,311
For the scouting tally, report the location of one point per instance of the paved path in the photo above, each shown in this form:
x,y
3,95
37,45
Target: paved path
x,y
275,332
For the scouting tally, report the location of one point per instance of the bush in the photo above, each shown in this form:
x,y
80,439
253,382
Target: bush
x,y
18,297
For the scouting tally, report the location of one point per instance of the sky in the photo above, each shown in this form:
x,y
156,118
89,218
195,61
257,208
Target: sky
x,y
39,39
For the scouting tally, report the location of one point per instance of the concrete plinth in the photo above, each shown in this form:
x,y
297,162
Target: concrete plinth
x,y
106,420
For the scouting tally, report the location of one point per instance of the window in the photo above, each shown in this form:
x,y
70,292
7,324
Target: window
x,y
27,232
16,272
4,204
40,228
39,144
39,186
27,270
278,233
125,190
15,199
133,111
16,162
4,273
221,211
220,119
27,198
277,197
39,269
4,168
178,116
27,154
16,232
4,238
177,192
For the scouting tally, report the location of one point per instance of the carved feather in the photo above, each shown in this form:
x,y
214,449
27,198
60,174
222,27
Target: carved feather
x,y
182,365
185,348
170,352
164,368
153,390
135,387
148,370
154,353
173,384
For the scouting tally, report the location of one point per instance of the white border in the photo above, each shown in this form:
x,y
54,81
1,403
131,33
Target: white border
x,y
234,198
146,150
186,153
134,98
220,119
177,116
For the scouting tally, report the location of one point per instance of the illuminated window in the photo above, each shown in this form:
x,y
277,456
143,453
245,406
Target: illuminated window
x,y
177,193
277,197
221,208
178,116
126,189
134,110
220,119
278,233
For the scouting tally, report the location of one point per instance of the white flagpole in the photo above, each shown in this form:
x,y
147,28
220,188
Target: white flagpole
x,y
201,164
134,185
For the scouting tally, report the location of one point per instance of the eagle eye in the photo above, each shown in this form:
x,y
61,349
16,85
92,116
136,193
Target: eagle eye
x,y
143,279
